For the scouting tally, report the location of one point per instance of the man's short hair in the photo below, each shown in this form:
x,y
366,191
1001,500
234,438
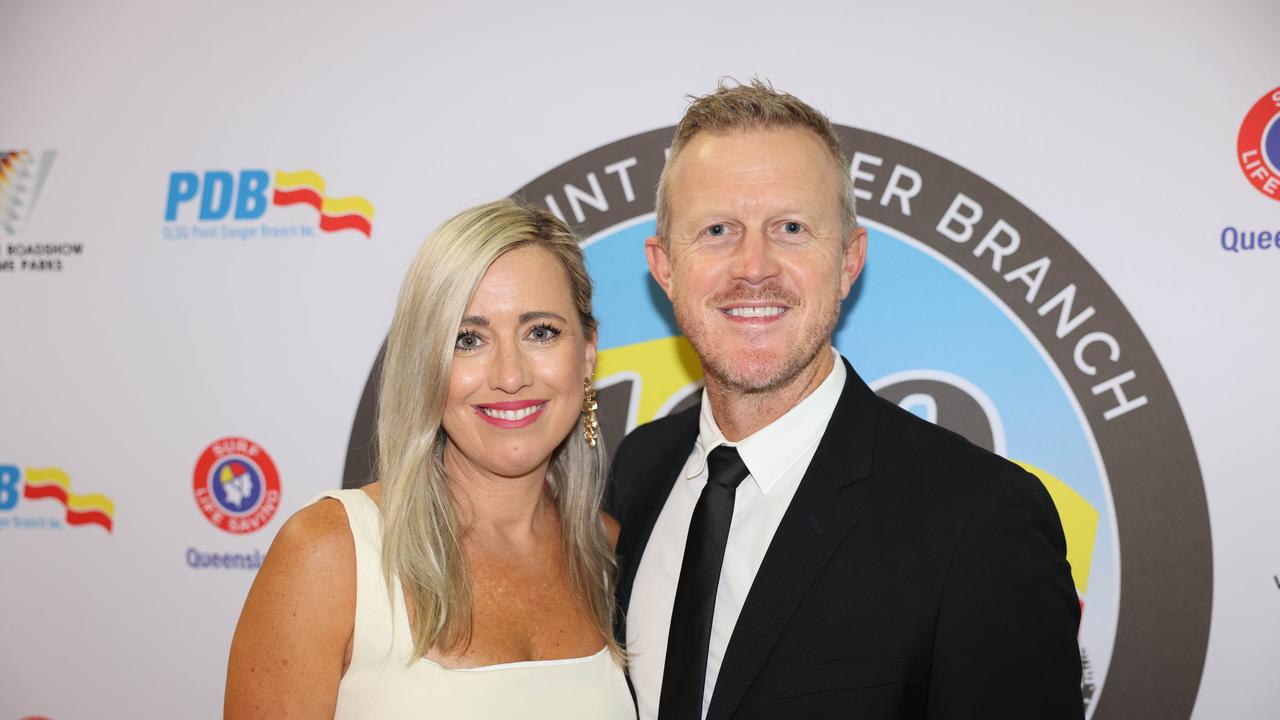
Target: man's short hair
x,y
735,107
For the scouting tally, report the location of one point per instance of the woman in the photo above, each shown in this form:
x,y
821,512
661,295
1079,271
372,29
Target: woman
x,y
474,577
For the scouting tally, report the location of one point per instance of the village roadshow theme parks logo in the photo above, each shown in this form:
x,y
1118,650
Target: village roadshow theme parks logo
x,y
22,177
22,181
975,314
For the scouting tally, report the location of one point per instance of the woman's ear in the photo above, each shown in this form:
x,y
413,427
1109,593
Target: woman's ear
x,y
590,359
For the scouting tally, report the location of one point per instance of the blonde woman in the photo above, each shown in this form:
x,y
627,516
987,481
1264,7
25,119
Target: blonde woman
x,y
473,579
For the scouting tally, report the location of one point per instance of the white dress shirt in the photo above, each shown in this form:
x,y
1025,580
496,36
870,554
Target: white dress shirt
x,y
777,456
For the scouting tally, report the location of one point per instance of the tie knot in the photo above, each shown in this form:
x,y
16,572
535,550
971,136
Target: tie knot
x,y
725,467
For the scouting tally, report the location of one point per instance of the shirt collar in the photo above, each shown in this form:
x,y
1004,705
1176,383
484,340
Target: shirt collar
x,y
774,448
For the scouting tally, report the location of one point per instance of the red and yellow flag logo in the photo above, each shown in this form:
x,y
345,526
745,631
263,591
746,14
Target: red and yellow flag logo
x,y
53,483
306,187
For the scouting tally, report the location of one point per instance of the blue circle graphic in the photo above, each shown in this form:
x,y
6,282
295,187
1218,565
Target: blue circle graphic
x,y
1271,142
236,484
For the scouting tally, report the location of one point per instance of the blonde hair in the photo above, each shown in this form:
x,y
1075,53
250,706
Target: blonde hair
x,y
756,106
421,535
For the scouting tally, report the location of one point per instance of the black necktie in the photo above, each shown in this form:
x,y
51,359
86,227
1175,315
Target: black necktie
x,y
685,671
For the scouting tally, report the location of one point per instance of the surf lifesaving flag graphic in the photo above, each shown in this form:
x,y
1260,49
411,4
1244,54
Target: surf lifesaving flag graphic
x,y
306,187
55,484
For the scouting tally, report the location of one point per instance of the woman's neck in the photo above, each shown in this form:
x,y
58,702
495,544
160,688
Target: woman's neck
x,y
495,510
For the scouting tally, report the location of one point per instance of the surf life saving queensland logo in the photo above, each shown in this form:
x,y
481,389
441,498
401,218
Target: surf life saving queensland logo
x,y
976,314
236,485
248,205
1258,145
237,488
1258,151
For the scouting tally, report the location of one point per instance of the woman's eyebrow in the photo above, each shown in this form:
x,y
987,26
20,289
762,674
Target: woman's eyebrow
x,y
483,321
540,315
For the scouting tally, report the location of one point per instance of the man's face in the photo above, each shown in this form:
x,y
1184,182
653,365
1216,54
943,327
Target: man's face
x,y
757,265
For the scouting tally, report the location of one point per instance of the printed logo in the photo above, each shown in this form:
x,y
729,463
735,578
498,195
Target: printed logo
x,y
204,560
234,205
22,176
1258,145
50,483
975,314
236,485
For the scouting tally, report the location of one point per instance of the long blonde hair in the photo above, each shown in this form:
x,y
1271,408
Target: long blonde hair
x,y
421,536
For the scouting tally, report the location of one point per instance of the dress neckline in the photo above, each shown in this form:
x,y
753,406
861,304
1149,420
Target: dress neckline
x,y
521,664
402,619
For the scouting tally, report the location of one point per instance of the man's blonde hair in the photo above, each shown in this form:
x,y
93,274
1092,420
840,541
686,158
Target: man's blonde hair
x,y
735,107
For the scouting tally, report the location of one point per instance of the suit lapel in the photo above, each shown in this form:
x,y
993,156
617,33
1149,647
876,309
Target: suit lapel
x,y
816,522
653,483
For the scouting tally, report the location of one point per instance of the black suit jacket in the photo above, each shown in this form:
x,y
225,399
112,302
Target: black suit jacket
x,y
914,575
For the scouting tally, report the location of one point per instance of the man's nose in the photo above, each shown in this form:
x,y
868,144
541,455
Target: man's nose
x,y
754,258
511,371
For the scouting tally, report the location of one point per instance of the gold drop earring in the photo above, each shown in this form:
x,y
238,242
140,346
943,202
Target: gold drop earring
x,y
590,422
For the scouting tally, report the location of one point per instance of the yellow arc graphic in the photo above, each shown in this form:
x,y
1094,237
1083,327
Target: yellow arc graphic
x,y
1079,524
662,368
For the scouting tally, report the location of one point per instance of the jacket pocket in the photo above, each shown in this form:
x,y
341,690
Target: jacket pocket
x,y
846,673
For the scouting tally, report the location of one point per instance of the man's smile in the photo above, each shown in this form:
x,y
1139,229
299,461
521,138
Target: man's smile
x,y
755,314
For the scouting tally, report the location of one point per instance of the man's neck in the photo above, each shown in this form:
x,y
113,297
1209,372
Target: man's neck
x,y
740,414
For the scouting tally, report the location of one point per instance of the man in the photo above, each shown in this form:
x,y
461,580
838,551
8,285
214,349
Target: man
x,y
796,546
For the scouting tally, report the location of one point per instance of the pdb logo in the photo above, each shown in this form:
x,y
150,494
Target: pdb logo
x,y
223,196
236,485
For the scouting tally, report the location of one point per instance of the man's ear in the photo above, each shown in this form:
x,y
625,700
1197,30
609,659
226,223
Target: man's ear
x,y
852,260
659,257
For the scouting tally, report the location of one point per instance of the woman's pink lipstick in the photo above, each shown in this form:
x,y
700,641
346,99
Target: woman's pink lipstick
x,y
511,414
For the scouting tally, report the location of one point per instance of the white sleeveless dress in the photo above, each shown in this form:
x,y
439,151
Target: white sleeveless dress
x,y
382,684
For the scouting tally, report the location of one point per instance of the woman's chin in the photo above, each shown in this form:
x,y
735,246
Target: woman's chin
x,y
514,466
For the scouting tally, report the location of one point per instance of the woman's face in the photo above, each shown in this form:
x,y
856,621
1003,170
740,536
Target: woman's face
x,y
519,364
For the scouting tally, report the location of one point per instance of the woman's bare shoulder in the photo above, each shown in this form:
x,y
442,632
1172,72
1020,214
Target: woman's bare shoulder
x,y
311,562
291,643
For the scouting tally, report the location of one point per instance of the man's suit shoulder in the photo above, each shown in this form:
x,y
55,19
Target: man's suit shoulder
x,y
636,460
650,439
937,462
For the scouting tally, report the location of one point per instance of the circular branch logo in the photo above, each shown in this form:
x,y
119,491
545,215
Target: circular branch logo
x,y
236,485
1258,146
975,314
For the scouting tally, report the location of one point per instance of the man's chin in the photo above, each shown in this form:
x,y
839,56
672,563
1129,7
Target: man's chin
x,y
750,375
754,370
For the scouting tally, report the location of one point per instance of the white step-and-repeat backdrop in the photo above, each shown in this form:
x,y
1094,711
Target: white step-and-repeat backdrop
x,y
206,210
